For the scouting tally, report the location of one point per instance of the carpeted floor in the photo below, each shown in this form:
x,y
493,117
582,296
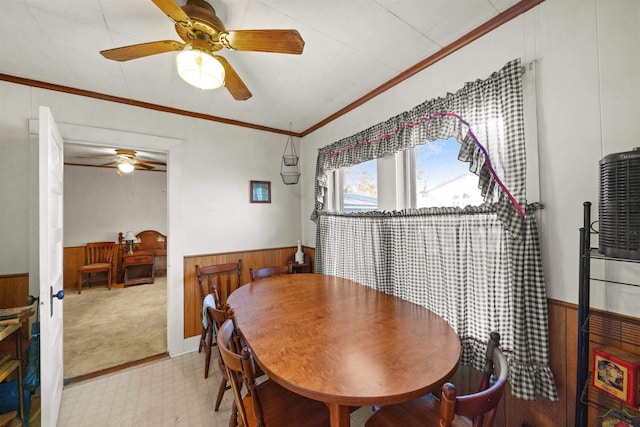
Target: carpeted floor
x,y
106,328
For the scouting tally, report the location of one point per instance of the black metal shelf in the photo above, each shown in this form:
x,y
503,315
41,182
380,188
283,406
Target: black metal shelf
x,y
594,253
592,396
594,324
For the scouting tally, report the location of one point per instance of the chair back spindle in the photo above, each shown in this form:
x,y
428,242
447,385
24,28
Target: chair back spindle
x,y
263,272
224,278
99,252
98,258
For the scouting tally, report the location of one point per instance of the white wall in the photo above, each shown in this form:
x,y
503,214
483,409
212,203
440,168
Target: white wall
x,y
588,106
14,181
98,204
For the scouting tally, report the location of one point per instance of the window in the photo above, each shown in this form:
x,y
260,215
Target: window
x,y
431,175
441,179
360,187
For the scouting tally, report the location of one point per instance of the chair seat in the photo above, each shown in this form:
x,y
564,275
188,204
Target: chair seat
x,y
299,411
421,412
97,266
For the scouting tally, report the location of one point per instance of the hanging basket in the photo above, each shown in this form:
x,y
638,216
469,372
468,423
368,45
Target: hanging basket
x,y
289,165
290,178
290,160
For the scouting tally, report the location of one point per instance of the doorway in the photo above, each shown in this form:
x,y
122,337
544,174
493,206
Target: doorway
x,y
176,344
101,204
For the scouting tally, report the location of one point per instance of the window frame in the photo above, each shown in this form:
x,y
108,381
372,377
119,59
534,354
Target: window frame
x,y
398,169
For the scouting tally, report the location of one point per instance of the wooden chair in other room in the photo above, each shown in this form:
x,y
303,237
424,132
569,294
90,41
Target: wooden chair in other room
x,y
98,258
478,409
270,271
267,403
219,280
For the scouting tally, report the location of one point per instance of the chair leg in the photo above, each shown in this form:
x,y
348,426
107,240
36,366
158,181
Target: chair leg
x,y
233,419
202,337
221,390
109,279
79,283
207,350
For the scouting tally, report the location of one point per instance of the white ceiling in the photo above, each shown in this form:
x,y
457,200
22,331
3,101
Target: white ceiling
x,y
351,48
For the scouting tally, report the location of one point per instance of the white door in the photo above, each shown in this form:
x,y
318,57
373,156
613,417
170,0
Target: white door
x,y
50,168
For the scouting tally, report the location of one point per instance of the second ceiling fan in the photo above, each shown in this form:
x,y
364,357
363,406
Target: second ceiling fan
x,y
203,33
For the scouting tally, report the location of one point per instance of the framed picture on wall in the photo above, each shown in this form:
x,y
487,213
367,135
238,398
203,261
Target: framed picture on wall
x,y
260,192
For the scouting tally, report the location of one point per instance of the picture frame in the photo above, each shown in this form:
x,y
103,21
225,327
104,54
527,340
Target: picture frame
x,y
260,191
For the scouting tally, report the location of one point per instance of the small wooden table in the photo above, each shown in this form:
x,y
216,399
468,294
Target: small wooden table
x,y
342,343
138,268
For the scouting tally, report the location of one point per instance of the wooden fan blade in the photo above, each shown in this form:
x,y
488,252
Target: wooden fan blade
x,y
173,11
135,51
142,165
152,162
233,82
276,41
95,158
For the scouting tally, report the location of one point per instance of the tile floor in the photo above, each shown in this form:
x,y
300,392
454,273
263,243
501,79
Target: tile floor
x,y
169,392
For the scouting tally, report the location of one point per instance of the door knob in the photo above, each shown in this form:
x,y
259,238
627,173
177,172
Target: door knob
x,y
59,295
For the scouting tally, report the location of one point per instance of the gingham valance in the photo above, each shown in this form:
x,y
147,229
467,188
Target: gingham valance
x,y
486,118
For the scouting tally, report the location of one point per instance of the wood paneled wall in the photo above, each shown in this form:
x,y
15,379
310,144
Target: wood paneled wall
x,y
14,290
250,259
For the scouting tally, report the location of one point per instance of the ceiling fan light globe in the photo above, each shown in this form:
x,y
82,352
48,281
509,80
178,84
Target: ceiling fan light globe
x,y
125,167
200,69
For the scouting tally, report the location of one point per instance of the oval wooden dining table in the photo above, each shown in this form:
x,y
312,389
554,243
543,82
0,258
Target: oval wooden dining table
x,y
343,343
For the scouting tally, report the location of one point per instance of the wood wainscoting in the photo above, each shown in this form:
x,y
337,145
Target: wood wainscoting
x,y
14,290
250,259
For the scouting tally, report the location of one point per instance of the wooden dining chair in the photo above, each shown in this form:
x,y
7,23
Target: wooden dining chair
x,y
98,258
224,277
219,280
265,404
263,272
477,410
216,316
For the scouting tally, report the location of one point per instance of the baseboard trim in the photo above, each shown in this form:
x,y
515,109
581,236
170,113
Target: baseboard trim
x,y
80,378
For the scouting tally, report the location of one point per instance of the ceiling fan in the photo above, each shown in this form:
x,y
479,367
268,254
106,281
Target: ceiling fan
x,y
204,33
126,161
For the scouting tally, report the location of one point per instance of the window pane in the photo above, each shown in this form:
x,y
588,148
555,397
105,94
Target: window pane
x,y
443,180
360,187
